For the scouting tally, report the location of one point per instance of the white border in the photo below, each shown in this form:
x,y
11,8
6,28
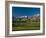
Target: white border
x,y
30,31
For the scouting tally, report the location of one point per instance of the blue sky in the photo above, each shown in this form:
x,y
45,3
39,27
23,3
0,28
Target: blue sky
x,y
25,11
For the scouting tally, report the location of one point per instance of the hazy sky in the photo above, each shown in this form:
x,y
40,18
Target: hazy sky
x,y
25,11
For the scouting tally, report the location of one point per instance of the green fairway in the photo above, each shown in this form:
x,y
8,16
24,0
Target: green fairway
x,y
26,24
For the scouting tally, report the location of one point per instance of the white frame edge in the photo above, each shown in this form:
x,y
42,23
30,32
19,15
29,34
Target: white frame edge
x,y
25,32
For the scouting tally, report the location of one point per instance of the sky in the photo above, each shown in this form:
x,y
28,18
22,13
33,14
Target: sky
x,y
25,11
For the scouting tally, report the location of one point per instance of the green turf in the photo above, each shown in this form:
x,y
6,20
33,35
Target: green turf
x,y
26,25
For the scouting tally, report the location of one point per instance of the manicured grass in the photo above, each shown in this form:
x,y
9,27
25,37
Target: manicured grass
x,y
28,25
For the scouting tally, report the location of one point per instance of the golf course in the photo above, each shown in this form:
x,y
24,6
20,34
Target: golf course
x,y
20,24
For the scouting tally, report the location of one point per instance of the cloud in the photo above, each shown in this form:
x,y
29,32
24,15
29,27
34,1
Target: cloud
x,y
37,15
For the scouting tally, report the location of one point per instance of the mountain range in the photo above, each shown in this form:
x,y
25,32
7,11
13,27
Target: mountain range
x,y
37,16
